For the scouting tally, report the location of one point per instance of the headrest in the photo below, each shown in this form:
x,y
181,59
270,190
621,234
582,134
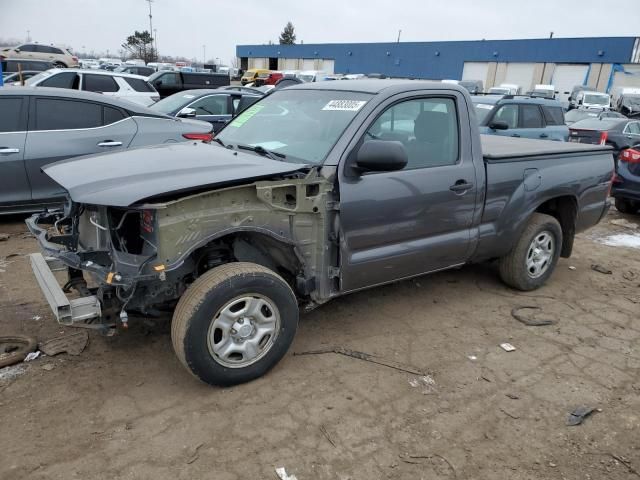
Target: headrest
x,y
431,126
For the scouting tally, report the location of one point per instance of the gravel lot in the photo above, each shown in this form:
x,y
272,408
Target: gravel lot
x,y
125,408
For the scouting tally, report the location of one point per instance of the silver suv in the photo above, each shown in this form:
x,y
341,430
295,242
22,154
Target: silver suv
x,y
60,56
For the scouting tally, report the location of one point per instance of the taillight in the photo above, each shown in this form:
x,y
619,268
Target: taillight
x,y
603,138
630,155
205,137
75,59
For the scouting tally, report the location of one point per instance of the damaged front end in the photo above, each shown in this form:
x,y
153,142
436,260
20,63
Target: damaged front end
x,y
115,247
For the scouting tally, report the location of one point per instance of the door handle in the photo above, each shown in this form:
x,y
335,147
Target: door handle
x,y
515,135
110,143
544,135
7,150
461,186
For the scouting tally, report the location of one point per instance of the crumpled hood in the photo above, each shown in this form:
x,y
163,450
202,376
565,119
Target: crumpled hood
x,y
124,178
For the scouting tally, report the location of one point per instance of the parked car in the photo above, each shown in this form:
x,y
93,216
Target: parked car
x,y
89,63
577,114
628,102
250,75
167,83
311,196
214,106
574,93
267,78
136,70
626,183
16,77
123,85
520,117
593,100
58,55
39,126
505,89
12,65
311,75
543,91
615,132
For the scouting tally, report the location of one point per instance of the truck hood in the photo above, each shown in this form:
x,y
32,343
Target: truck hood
x,y
125,178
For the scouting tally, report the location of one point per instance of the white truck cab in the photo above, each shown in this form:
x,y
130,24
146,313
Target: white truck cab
x,y
593,100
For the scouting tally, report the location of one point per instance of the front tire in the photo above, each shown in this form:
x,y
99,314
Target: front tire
x,y
625,206
535,255
234,323
59,65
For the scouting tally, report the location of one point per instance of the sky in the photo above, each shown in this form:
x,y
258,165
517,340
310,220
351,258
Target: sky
x,y
185,26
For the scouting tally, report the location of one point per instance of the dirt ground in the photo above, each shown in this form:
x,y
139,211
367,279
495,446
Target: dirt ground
x,y
125,408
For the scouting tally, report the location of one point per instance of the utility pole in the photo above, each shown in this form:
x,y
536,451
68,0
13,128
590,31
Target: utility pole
x,y
155,39
551,35
28,35
399,32
150,17
204,54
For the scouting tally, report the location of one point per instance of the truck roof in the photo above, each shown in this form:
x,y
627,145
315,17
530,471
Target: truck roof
x,y
375,86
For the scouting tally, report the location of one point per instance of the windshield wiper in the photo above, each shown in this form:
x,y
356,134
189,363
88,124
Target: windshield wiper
x,y
217,140
263,151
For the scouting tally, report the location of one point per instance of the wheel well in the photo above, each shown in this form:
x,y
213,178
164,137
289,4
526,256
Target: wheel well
x,y
564,209
253,247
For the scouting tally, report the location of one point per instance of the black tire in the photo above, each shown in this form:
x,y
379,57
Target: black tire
x,y
514,270
59,65
14,349
202,303
625,206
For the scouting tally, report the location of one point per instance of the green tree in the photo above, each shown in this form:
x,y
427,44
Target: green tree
x,y
288,36
140,45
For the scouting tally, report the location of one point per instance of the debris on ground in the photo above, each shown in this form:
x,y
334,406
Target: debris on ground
x,y
10,373
367,357
327,436
32,356
509,414
630,275
36,318
14,349
473,358
4,237
528,319
73,344
282,474
601,269
623,222
578,415
48,367
507,347
512,396
426,382
416,459
571,267
193,457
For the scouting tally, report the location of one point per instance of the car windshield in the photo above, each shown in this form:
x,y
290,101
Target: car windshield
x,y
37,78
174,102
577,115
263,75
631,101
542,93
307,77
482,110
302,125
595,99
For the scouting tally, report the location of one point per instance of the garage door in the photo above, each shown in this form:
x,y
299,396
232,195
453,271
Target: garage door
x,y
520,74
290,64
565,77
258,63
630,77
308,64
475,71
327,65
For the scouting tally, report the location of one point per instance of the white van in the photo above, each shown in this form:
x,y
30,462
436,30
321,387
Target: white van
x,y
593,100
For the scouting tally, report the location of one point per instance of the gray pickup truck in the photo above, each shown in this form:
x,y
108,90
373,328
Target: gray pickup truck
x,y
315,191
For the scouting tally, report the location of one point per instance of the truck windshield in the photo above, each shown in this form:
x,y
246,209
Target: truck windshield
x,y
302,125
593,99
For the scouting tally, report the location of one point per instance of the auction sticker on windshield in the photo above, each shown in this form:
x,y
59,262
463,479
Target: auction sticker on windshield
x,y
484,105
245,116
344,105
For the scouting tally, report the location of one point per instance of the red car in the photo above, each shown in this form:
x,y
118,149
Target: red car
x,y
267,78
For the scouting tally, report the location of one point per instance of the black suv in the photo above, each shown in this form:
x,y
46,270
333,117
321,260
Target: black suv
x,y
168,83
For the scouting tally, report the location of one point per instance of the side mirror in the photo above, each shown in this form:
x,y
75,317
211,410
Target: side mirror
x,y
499,125
157,83
187,112
381,156
17,50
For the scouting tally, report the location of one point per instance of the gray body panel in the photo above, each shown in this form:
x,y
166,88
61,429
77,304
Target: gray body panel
x,y
125,178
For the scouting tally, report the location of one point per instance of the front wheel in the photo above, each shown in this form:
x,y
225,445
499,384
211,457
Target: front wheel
x,y
625,206
534,256
234,323
59,65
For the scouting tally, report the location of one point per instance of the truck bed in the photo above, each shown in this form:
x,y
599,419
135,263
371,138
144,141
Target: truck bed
x,y
496,148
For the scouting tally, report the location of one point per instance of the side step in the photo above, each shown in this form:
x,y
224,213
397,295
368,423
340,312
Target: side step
x,y
67,312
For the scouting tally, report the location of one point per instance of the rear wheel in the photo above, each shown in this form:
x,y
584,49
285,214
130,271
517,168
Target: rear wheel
x,y
625,206
533,258
234,323
59,65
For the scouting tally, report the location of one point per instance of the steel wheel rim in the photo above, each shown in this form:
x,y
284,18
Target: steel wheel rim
x,y
243,331
540,254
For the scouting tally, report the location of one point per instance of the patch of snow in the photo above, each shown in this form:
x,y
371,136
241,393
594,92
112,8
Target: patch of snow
x,y
620,240
9,373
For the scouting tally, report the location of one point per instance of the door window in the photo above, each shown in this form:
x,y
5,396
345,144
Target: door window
x,y
27,48
62,80
112,115
428,129
530,117
61,114
242,103
10,118
99,83
170,79
213,105
633,128
553,115
507,113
